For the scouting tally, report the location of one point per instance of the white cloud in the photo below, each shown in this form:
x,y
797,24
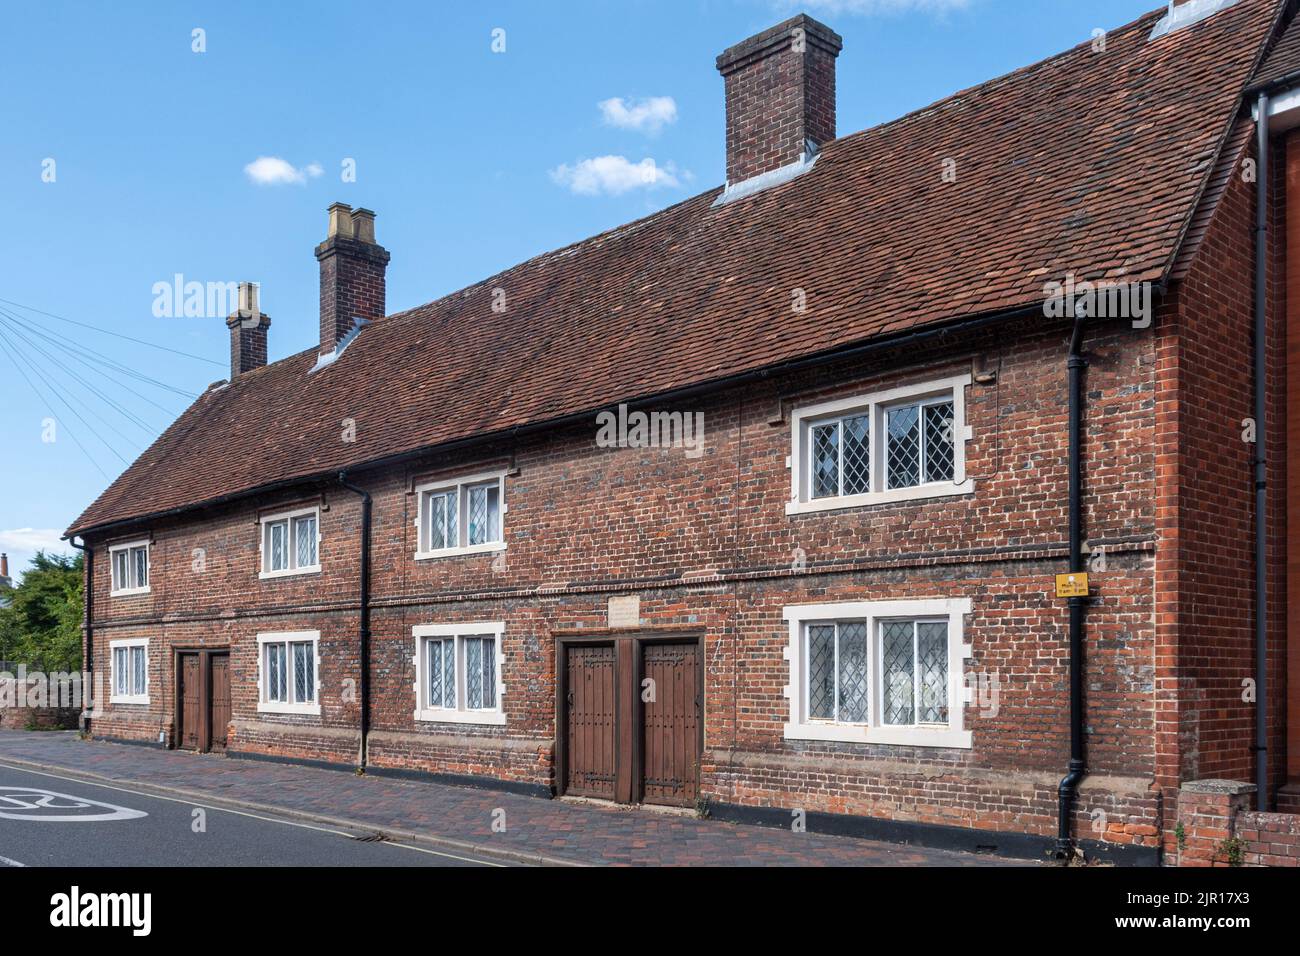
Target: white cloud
x,y
32,539
274,171
615,175
648,115
873,7
21,544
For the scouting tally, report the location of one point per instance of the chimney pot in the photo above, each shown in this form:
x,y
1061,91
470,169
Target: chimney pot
x,y
352,274
363,225
340,220
780,89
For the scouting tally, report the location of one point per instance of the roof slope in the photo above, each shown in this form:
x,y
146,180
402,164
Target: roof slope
x,y
1088,162
1284,59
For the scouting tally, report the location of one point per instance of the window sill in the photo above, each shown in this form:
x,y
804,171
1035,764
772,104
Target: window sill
x,y
133,700
488,548
272,707
129,592
945,489
494,718
902,736
291,573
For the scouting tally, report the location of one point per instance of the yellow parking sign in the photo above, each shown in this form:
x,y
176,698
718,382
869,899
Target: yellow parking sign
x,y
1072,585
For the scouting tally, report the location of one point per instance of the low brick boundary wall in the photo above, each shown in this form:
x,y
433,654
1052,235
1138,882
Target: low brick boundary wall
x,y
1271,839
1216,827
13,691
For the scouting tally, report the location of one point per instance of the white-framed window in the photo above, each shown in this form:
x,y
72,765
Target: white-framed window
x,y
896,445
291,543
129,566
464,516
458,673
288,672
129,677
886,672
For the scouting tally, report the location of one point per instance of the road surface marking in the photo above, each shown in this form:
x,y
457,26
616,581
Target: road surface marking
x,y
32,803
450,856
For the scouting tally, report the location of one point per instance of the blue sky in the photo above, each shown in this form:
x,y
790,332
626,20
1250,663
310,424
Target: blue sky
x,y
218,165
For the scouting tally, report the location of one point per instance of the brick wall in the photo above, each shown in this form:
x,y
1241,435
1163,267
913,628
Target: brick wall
x,y
1205,505
1216,828
26,706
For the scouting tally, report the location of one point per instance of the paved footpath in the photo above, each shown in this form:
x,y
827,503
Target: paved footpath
x,y
536,830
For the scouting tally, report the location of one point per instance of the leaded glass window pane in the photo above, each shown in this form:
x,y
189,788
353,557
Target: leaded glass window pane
x,y
939,442
276,682
484,514
821,671
304,530
489,672
442,520
278,545
826,460
433,657
494,513
903,459
932,667
853,672
449,673
138,686
304,673
141,556
120,684
898,666
473,673
857,455
480,676
119,570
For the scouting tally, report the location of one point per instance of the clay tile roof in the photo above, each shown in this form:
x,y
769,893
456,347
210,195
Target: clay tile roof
x,y
1088,162
1284,59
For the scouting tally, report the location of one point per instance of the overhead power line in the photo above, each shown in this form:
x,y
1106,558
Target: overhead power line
x,y
103,331
35,388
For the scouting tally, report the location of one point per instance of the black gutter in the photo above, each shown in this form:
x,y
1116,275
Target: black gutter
x,y
364,629
1069,786
1262,795
88,655
828,357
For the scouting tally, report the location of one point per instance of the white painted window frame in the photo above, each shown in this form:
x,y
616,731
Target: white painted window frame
x,y
128,547
310,708
799,727
495,716
461,485
264,546
875,405
127,644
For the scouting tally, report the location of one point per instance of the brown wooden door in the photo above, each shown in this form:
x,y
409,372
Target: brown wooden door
x,y
592,720
189,692
219,700
671,698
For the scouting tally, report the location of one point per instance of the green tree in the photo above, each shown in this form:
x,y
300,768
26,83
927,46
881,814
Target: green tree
x,y
40,626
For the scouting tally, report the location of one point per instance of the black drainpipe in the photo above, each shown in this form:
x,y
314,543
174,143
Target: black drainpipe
x,y
1065,849
88,658
1262,796
364,688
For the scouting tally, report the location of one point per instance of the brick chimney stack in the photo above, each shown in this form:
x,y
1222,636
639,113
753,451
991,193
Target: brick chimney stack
x,y
248,326
780,87
352,268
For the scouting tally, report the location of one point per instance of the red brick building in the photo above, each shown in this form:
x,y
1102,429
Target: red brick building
x,y
758,504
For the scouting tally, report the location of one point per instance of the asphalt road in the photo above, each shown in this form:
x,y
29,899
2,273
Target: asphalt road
x,y
53,820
